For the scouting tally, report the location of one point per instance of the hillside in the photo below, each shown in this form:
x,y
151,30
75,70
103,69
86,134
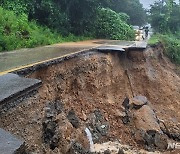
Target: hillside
x,y
128,102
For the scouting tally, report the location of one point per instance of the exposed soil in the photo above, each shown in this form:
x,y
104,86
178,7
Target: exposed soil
x,y
95,85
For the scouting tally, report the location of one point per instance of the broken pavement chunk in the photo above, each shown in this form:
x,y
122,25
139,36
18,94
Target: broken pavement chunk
x,y
9,144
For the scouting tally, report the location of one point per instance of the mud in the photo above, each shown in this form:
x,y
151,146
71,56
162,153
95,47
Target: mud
x,y
88,91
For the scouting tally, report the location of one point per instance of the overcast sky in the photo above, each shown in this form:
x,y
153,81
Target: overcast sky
x,y
146,3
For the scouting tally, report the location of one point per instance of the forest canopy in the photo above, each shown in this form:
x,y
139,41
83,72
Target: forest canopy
x,y
165,16
74,18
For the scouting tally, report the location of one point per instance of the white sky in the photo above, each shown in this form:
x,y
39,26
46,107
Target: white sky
x,y
146,3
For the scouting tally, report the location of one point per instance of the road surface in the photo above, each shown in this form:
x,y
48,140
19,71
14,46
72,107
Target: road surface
x,y
19,59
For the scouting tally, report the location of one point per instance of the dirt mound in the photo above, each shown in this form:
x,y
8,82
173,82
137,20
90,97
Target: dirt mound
x,y
90,90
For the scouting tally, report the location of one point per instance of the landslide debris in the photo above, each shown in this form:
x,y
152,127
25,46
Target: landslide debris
x,y
128,102
145,124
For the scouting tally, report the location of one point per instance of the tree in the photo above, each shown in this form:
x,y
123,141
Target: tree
x,y
74,16
133,8
112,25
164,17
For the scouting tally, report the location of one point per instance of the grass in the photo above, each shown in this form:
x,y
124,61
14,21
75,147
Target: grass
x,y
73,38
17,32
154,40
171,42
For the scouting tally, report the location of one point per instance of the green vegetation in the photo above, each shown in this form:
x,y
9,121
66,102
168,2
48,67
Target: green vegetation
x,y
164,18
155,39
27,23
17,32
172,46
75,16
110,24
171,43
132,8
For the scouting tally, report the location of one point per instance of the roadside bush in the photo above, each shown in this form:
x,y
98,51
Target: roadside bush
x,y
171,43
112,25
172,46
17,32
44,12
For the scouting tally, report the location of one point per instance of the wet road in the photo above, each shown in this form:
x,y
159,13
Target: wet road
x,y
10,61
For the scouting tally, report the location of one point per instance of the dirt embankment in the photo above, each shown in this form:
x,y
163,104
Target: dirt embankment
x,y
88,92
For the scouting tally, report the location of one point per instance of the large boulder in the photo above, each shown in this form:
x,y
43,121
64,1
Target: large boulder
x,y
144,123
145,119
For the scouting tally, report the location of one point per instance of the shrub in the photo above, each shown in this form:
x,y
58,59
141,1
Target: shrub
x,y
17,32
172,46
112,25
171,43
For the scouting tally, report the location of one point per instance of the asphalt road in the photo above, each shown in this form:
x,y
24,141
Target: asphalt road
x,y
14,60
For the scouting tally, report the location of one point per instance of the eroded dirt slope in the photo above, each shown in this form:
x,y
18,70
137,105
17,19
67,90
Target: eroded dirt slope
x,y
89,83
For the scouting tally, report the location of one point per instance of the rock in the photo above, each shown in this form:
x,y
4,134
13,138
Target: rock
x,y
66,132
120,151
126,119
145,125
50,135
58,106
98,115
54,107
141,98
155,140
145,119
77,148
119,114
125,103
161,141
149,138
84,117
138,102
49,112
103,129
50,115
98,126
73,119
138,135
148,130
107,152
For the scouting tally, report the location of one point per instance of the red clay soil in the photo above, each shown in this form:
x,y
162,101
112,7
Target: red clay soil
x,y
98,81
